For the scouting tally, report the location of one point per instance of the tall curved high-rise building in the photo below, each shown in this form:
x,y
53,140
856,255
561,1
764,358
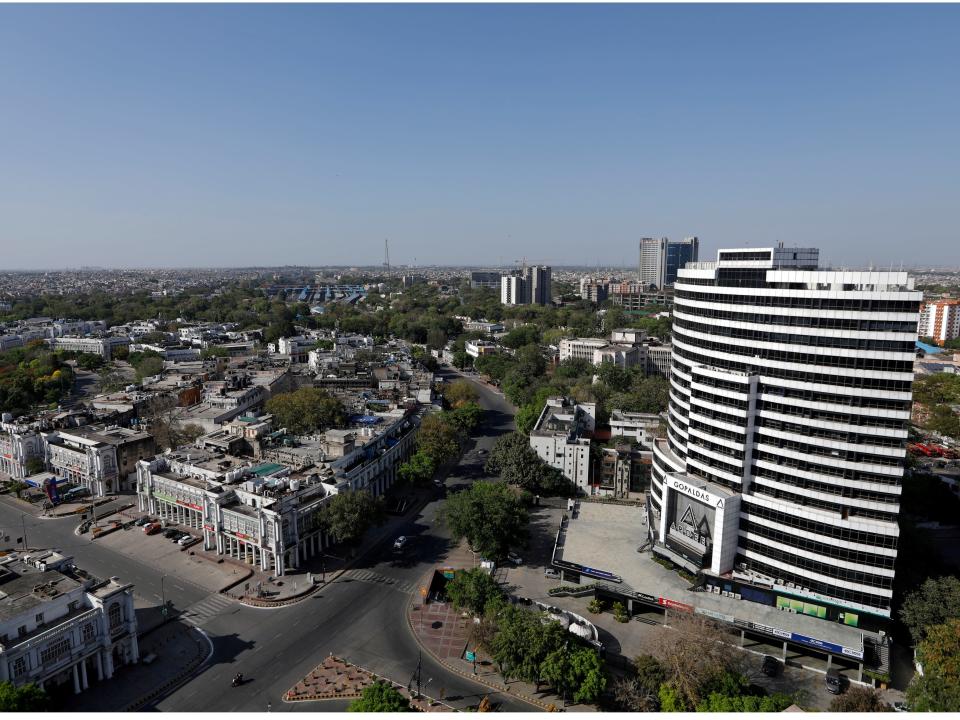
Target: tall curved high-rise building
x,y
789,404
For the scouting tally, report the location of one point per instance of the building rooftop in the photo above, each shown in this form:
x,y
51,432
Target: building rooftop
x,y
606,537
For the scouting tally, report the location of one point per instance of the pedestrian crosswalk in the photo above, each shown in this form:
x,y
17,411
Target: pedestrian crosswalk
x,y
368,576
203,610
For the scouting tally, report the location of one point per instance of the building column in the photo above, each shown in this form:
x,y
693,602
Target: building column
x,y
100,676
83,674
76,680
784,652
108,662
134,648
829,661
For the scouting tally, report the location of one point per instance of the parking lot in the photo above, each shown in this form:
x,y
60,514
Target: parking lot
x,y
169,558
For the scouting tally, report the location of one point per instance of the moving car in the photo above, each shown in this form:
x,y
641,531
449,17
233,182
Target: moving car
x,y
770,666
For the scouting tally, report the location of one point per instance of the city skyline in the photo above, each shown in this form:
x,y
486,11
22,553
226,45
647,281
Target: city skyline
x,y
199,136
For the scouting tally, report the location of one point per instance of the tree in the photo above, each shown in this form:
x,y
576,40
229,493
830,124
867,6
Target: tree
x,y
89,361
349,515
638,692
307,410
460,392
419,469
26,698
933,603
860,699
518,464
380,697
579,670
110,380
490,516
148,366
473,590
438,438
938,689
520,336
523,641
467,417
692,652
35,465
461,360
615,377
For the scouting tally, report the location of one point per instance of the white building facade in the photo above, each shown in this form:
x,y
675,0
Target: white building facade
x,y
790,398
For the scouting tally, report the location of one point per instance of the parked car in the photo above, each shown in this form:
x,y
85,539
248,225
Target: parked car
x,y
833,682
187,537
179,535
400,543
514,558
770,666
170,533
140,522
152,528
551,573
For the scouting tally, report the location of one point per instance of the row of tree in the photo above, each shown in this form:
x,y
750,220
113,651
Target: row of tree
x,y
527,645
33,375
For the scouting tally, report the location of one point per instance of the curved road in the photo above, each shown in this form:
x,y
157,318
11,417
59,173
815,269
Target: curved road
x,y
360,618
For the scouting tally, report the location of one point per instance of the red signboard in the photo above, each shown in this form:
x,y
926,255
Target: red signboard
x,y
667,602
189,505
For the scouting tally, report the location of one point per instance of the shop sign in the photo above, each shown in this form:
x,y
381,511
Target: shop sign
x,y
694,492
645,597
776,632
715,615
184,503
208,527
828,646
164,496
667,602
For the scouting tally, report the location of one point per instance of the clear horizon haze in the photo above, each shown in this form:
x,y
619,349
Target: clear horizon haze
x,y
250,135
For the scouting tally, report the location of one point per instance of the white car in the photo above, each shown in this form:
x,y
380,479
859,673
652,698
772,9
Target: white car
x,y
400,543
185,539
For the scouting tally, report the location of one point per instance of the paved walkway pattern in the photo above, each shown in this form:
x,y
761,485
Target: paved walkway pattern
x,y
336,679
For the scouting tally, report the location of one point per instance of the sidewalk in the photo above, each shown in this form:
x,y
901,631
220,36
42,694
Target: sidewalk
x,y
179,650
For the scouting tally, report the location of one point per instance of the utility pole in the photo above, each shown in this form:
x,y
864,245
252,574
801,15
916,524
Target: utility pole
x,y
23,523
419,662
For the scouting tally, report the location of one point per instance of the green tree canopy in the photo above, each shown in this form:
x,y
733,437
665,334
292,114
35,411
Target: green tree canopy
x,y
460,392
473,589
518,464
938,689
933,603
26,698
306,410
490,516
438,438
380,697
347,516
418,470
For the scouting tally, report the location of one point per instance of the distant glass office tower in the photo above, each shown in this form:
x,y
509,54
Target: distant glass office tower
x,y
660,259
790,397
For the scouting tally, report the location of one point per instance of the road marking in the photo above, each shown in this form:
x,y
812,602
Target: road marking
x,y
203,610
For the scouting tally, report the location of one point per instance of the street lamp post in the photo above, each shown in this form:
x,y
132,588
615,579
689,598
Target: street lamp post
x,y
163,598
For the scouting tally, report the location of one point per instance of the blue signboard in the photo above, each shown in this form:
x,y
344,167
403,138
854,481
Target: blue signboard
x,y
828,646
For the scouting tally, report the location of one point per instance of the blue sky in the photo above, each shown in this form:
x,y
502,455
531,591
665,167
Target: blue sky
x,y
244,135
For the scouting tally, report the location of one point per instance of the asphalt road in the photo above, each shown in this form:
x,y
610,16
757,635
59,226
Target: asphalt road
x,y
361,621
